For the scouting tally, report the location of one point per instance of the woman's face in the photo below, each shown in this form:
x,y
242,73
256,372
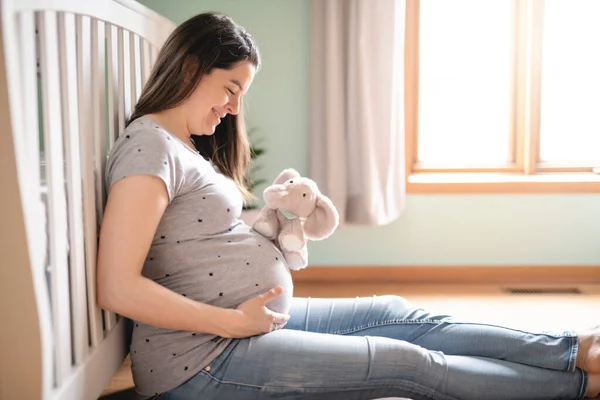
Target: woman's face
x,y
218,94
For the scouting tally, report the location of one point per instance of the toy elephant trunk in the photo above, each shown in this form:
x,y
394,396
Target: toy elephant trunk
x,y
295,212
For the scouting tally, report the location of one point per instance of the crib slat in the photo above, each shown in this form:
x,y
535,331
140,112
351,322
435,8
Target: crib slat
x,y
124,78
99,112
112,55
99,124
87,153
30,134
114,127
100,129
112,73
137,73
23,88
29,90
110,319
70,111
57,202
132,70
146,63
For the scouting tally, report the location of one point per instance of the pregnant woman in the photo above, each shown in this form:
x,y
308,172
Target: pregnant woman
x,y
212,301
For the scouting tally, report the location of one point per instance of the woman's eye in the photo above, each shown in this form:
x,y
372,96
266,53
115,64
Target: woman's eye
x,y
230,91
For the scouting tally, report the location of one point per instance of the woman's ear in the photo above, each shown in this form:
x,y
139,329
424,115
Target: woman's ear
x,y
322,221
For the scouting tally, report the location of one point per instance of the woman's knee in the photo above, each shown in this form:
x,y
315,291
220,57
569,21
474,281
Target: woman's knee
x,y
395,302
397,307
394,306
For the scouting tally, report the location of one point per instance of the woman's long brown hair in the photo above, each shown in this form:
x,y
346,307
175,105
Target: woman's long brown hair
x,y
201,43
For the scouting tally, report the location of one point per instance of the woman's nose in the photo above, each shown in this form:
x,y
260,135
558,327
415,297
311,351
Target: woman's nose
x,y
233,107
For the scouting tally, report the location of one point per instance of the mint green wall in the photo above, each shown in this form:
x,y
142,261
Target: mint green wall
x,y
435,229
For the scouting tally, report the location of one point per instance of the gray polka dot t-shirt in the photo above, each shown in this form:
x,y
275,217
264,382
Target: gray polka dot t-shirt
x,y
201,250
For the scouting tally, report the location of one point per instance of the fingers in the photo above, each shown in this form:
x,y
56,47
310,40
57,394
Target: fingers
x,y
271,294
275,325
280,318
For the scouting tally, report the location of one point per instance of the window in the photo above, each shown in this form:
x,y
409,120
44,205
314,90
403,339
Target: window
x,y
570,101
503,95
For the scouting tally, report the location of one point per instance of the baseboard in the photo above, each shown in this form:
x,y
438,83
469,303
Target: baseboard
x,y
450,274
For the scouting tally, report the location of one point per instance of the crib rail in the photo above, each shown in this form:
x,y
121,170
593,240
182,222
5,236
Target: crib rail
x,y
70,74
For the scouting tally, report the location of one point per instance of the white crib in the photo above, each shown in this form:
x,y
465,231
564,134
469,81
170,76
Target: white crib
x,y
70,73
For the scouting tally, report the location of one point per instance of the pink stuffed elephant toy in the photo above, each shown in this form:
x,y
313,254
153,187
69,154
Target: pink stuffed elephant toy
x,y
295,211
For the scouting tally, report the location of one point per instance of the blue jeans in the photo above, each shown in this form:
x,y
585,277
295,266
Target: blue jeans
x,y
368,348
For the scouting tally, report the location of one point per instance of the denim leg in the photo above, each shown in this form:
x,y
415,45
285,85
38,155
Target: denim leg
x,y
292,364
394,317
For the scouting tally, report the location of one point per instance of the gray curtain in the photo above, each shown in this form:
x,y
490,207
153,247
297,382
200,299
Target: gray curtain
x,y
357,107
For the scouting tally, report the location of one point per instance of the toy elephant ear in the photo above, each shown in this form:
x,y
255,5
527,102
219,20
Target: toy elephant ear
x,y
286,175
322,221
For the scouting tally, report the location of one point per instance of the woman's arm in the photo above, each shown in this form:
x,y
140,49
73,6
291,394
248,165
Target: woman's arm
x,y
133,211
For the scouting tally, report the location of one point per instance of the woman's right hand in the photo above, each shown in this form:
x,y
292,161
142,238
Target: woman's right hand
x,y
252,317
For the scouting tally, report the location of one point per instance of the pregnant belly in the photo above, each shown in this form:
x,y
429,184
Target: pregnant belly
x,y
244,268
265,275
265,268
282,303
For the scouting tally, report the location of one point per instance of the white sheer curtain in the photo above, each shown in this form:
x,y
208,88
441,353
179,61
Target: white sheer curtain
x,y
357,107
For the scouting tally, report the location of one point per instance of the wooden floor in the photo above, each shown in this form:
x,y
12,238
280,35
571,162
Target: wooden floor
x,y
481,303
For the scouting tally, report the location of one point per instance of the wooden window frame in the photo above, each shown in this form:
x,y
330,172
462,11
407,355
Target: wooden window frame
x,y
526,174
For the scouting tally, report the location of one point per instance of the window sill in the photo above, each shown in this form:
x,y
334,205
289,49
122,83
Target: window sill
x,y
503,183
